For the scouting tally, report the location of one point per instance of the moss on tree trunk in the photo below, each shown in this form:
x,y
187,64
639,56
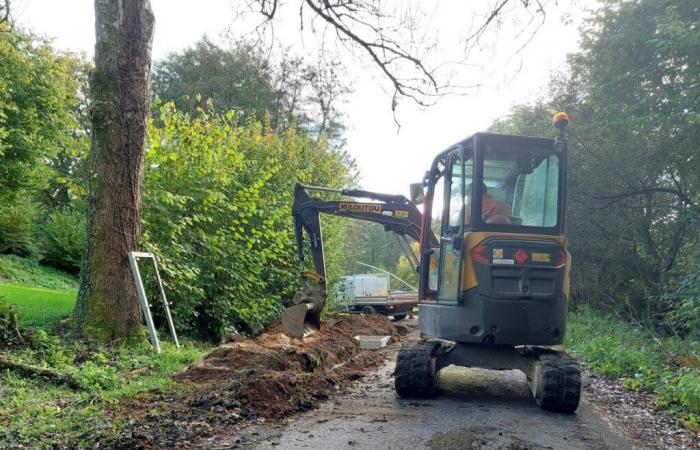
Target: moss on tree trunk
x,y
107,307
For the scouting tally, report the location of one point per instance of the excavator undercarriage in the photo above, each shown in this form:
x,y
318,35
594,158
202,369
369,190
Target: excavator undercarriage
x,y
553,376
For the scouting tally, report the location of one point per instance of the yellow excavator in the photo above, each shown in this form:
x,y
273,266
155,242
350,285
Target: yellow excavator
x,y
493,265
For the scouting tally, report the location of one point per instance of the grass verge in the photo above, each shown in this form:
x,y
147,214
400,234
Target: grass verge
x,y
667,366
36,306
38,414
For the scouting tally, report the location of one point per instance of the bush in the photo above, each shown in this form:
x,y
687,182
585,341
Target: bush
x,y
682,295
217,213
17,231
64,240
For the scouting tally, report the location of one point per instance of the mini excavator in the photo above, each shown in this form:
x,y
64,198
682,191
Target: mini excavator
x,y
493,265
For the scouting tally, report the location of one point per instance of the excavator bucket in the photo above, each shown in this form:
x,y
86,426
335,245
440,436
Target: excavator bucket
x,y
304,317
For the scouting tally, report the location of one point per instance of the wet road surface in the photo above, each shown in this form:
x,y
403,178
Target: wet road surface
x,y
478,409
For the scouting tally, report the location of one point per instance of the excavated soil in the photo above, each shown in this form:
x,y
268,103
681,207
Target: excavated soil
x,y
254,380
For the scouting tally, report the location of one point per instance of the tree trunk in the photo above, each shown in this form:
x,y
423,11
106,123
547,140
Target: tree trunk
x,y
107,306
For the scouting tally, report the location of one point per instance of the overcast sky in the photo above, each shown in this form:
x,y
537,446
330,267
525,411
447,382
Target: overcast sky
x,y
389,159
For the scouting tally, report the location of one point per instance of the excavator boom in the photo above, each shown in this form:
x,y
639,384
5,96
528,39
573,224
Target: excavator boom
x,y
395,212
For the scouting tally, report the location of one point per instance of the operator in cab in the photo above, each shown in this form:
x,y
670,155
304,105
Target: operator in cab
x,y
492,209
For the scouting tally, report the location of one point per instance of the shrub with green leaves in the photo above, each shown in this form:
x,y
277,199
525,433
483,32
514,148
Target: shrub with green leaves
x,y
17,231
64,239
217,212
682,295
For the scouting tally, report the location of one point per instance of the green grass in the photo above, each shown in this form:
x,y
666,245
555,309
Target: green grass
x,y
667,366
28,272
41,295
38,414
38,307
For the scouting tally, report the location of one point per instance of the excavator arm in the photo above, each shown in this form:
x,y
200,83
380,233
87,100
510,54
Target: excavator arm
x,y
395,212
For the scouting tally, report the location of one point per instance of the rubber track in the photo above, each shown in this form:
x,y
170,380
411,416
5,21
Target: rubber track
x,y
414,376
561,382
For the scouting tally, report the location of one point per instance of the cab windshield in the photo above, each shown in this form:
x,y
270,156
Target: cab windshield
x,y
520,187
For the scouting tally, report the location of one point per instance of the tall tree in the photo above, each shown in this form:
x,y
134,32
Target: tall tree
x,y
246,79
38,94
237,79
634,196
107,306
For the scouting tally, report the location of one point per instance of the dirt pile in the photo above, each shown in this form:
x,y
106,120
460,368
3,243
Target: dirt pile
x,y
252,380
275,351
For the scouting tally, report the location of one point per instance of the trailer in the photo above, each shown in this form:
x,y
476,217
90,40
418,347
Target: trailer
x,y
370,293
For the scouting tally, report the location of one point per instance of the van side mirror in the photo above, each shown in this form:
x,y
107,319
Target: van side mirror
x,y
416,193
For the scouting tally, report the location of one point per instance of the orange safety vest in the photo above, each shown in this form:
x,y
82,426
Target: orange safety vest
x,y
489,207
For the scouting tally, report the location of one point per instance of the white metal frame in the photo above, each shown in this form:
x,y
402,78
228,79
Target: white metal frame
x,y
133,262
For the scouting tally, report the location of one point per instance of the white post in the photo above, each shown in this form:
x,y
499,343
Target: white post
x,y
142,296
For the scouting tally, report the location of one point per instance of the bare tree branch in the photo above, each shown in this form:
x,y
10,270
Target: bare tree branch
x,y
268,9
5,12
378,51
397,40
476,35
649,190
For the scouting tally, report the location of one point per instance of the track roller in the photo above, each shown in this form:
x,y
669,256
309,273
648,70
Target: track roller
x,y
416,375
555,381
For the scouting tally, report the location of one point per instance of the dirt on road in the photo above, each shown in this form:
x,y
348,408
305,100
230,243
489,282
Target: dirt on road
x,y
252,381
477,410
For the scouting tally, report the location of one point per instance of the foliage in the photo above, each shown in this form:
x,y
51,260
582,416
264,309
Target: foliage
x,y
37,91
63,240
217,214
17,229
668,366
36,306
39,125
407,272
683,293
27,272
244,78
634,192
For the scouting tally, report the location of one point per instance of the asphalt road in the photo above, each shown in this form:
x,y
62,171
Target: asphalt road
x,y
478,409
